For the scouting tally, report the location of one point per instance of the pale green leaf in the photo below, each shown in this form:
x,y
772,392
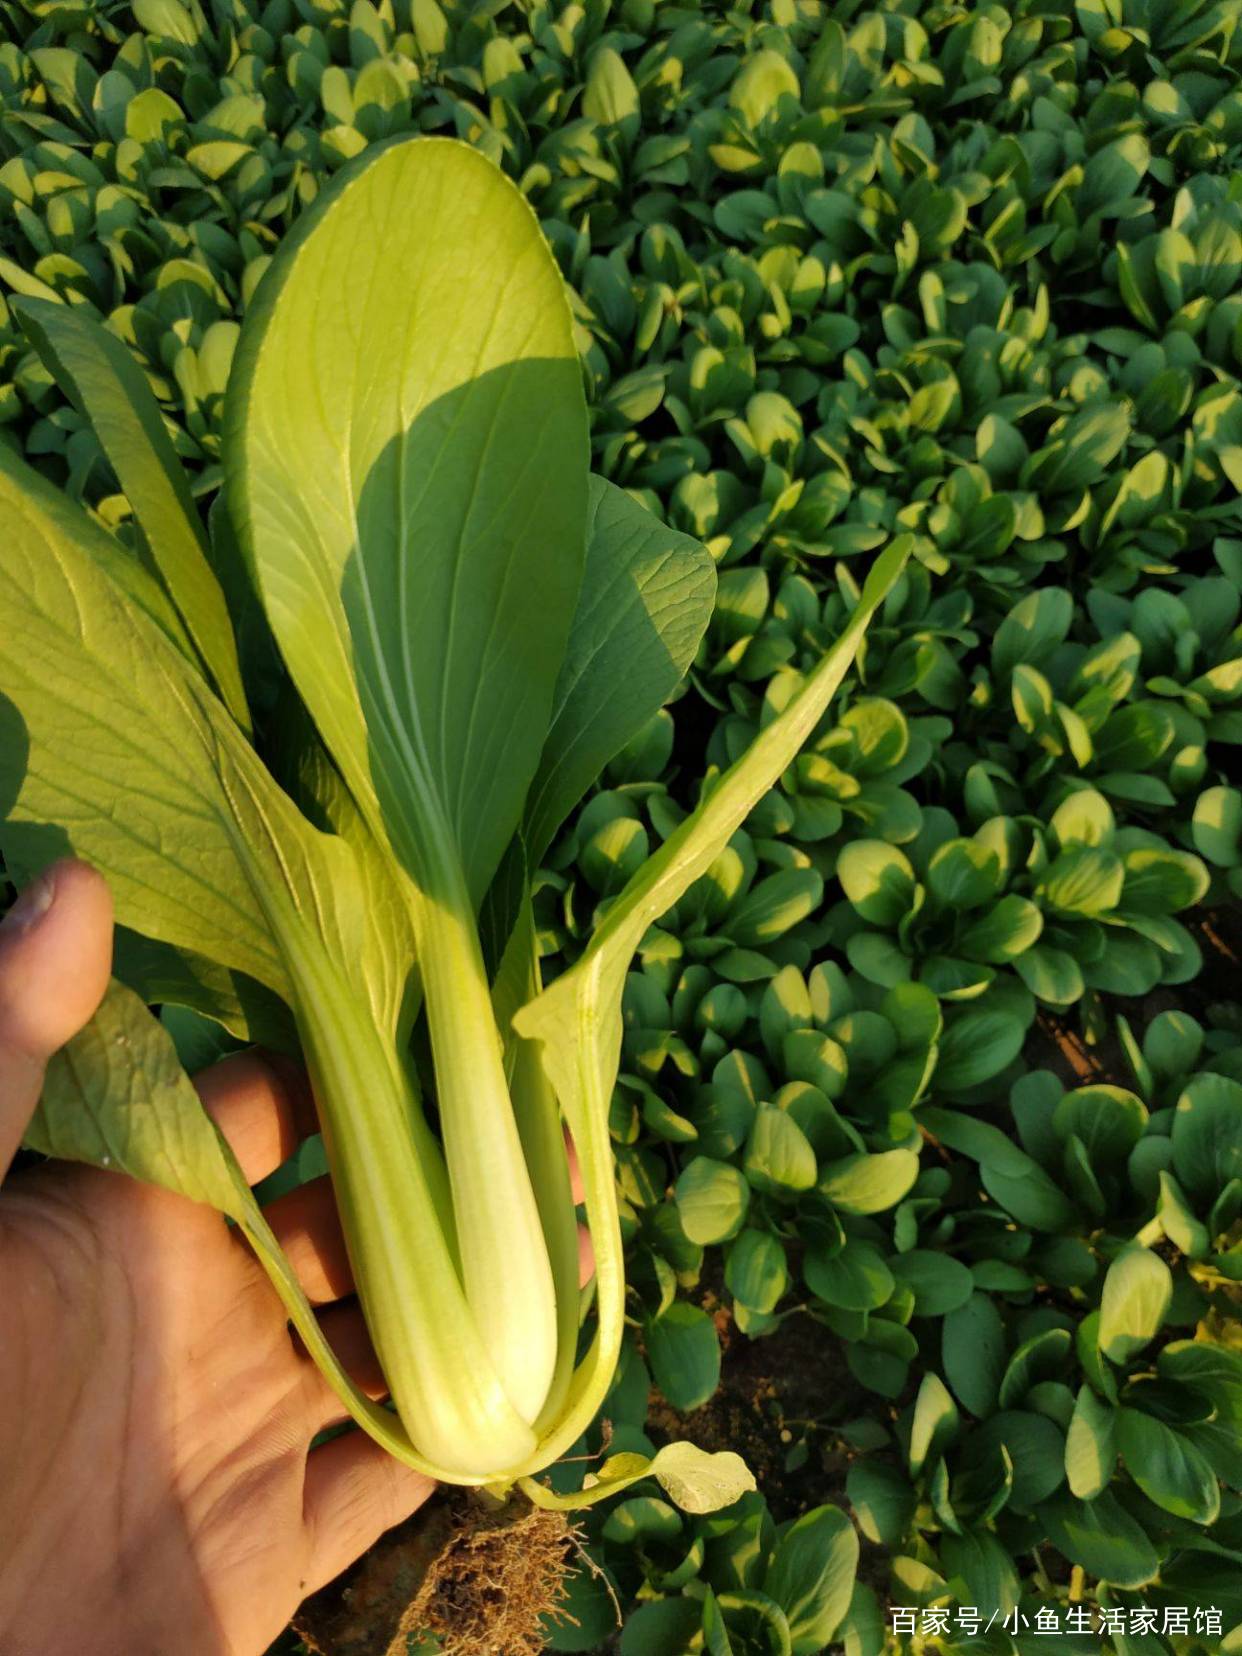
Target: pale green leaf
x,y
116,1096
712,1198
409,481
115,739
697,1481
934,1424
779,1158
26,493
1090,1454
1137,1290
811,1576
877,879
694,1479
867,1184
99,373
610,96
756,1272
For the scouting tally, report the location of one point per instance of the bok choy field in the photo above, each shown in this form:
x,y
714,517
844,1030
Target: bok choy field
x,y
926,1120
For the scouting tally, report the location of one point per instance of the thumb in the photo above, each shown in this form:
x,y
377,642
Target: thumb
x,y
55,961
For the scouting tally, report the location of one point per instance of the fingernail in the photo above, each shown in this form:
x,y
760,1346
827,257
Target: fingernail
x,y
32,904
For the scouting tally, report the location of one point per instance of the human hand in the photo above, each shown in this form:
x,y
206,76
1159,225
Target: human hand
x,y
158,1491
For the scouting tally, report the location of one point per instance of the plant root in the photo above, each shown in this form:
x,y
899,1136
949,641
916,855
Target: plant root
x,y
463,1577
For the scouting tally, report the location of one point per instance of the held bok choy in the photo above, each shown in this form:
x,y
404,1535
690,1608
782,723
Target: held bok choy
x,y
474,626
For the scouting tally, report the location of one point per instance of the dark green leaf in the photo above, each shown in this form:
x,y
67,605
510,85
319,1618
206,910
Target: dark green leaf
x,y
940,1284
684,1354
973,1353
855,1278
1102,1537
1167,1467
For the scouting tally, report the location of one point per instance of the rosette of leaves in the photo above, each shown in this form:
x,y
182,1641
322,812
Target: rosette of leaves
x,y
919,640
1123,34
798,495
1098,1162
745,917
1194,112
1076,904
1142,520
824,1120
1098,1184
1039,1430
750,914
955,1499
729,102
167,225
1081,710
793,1172
966,527
778,1587
1190,640
1188,1165
1161,378
1184,277
938,911
1173,1046
1099,195
739,1582
768,1150
855,775
908,413
757,636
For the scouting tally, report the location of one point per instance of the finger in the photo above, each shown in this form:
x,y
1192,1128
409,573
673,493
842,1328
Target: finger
x,y
262,1106
55,961
575,1170
354,1491
586,1253
306,1225
346,1332
348,1335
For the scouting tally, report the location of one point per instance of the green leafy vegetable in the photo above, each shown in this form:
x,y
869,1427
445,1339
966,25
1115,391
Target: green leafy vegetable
x,y
420,552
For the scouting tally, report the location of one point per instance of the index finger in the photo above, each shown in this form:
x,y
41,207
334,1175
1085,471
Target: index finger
x,y
263,1106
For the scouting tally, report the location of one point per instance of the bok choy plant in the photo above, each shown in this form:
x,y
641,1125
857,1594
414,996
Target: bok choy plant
x,y
471,627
